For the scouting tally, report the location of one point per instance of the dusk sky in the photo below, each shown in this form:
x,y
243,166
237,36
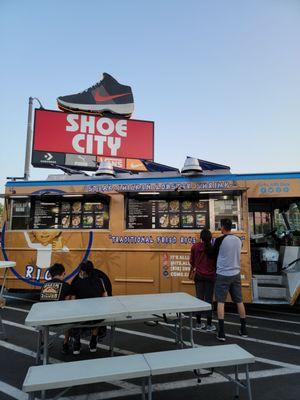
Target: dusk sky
x,y
220,79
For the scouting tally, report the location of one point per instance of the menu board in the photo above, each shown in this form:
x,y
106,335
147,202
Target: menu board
x,y
69,214
46,215
84,215
20,214
167,214
140,214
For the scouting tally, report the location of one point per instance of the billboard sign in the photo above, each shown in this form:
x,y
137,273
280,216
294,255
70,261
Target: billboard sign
x,y
81,139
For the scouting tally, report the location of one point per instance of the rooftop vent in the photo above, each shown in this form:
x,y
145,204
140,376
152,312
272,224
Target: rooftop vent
x,y
191,167
105,168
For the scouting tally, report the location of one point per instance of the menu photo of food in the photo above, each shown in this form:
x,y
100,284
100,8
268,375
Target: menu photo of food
x,y
164,221
174,205
187,205
174,220
65,207
88,221
88,207
76,207
201,205
65,221
99,220
162,205
200,220
187,220
98,206
76,219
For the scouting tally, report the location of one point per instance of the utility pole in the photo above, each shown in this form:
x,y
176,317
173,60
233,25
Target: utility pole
x,y
28,140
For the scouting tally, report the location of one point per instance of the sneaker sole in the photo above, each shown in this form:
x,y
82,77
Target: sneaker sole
x,y
122,109
76,352
221,339
93,350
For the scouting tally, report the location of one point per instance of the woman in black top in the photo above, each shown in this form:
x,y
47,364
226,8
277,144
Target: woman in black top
x,y
85,286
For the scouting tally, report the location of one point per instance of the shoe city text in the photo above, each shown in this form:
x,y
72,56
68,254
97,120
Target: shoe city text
x,y
95,134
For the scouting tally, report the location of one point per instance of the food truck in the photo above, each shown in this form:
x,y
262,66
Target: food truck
x,y
139,227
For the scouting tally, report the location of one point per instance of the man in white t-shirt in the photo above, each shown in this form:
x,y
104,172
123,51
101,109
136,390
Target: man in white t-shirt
x,y
227,249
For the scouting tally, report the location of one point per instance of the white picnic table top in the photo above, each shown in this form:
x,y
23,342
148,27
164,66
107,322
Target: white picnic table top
x,y
86,372
116,308
172,361
7,264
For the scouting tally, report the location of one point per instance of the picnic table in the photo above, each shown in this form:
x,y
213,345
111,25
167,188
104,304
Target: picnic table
x,y
113,310
5,265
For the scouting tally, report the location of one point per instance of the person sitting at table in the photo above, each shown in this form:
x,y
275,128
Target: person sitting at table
x,y
56,290
84,286
102,275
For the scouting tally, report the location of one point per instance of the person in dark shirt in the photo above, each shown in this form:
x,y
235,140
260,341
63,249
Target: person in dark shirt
x,y
56,290
85,286
203,262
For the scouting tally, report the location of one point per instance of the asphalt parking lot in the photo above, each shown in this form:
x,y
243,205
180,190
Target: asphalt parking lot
x,y
274,333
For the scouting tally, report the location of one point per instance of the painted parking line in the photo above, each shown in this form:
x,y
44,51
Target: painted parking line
x,y
12,391
8,296
284,321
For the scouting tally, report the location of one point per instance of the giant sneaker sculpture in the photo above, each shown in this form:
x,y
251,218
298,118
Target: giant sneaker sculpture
x,y
106,96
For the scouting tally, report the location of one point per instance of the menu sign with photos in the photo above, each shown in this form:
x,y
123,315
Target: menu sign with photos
x,y
85,215
167,214
70,213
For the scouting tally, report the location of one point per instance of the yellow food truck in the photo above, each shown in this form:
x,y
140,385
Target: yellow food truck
x,y
139,227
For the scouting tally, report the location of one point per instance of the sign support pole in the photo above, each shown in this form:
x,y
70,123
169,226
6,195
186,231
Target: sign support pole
x,y
28,140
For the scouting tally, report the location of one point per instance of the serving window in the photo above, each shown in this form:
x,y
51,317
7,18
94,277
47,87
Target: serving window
x,y
181,212
59,212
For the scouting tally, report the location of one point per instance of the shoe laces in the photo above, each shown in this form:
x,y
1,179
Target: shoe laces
x,y
92,87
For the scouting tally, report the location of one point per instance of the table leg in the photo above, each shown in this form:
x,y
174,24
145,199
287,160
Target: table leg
x,y
45,355
46,344
149,388
4,279
248,382
180,330
237,388
143,390
38,350
191,330
111,340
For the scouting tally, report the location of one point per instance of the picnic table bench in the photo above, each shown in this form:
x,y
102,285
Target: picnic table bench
x,y
66,375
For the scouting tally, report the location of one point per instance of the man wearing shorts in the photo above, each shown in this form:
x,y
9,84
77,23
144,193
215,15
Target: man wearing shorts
x,y
227,249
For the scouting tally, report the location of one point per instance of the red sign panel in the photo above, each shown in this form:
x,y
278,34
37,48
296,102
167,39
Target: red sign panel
x,y
60,132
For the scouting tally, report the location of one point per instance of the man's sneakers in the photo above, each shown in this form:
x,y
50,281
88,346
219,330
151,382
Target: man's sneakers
x,y
202,327
211,328
221,336
93,344
76,347
243,332
106,96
